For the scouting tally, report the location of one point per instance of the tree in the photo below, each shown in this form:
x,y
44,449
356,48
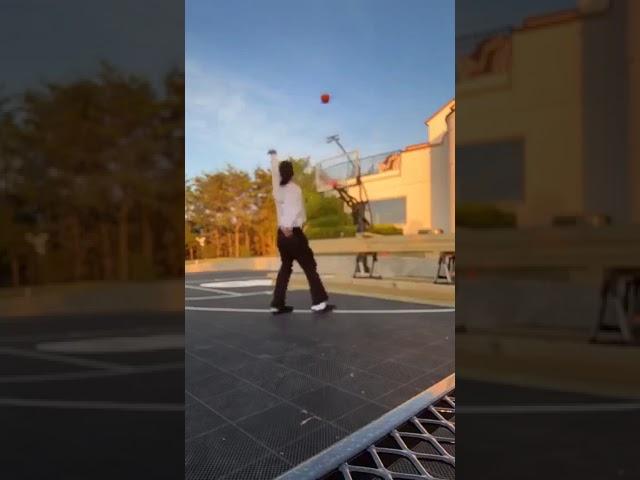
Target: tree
x,y
237,214
92,163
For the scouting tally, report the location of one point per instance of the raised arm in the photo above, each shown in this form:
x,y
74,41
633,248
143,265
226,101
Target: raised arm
x,y
275,172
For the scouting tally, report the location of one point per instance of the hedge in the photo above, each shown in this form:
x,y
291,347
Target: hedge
x,y
337,220
316,233
483,216
384,229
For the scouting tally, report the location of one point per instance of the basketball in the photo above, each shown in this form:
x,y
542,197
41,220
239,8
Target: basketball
x,y
325,97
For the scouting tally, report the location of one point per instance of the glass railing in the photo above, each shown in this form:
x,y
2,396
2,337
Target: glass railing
x,y
370,165
476,53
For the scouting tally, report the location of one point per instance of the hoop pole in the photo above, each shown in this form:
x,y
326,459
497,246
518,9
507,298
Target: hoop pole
x,y
362,190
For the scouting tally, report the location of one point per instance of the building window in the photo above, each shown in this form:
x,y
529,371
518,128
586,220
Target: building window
x,y
490,172
393,210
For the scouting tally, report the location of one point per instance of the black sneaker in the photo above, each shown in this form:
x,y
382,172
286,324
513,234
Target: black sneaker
x,y
279,310
325,309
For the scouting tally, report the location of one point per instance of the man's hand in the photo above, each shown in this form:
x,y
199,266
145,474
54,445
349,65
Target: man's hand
x,y
288,232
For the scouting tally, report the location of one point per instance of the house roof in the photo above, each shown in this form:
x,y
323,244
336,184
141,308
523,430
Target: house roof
x,y
416,146
451,102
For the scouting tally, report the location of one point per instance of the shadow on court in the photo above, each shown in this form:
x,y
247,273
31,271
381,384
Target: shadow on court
x,y
264,393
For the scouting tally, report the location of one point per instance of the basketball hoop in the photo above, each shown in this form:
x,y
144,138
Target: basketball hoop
x,y
335,172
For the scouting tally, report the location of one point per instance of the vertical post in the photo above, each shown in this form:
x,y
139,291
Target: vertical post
x,y
451,127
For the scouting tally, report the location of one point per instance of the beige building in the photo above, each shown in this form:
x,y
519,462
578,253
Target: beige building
x,y
412,188
562,140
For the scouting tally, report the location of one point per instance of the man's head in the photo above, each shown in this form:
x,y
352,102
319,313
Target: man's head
x,y
286,172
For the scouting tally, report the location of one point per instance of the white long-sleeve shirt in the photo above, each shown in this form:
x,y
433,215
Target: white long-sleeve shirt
x,y
288,198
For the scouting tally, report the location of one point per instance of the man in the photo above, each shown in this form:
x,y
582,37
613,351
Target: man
x,y
292,242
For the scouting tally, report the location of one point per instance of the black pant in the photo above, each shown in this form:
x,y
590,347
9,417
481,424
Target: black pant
x,y
297,248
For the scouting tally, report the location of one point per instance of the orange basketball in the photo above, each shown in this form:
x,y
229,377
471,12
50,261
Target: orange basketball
x,y
325,97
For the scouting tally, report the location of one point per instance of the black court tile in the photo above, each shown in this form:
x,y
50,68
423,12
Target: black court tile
x,y
446,369
266,347
136,358
328,402
155,387
280,425
214,384
222,451
349,368
199,419
396,371
22,365
197,339
356,419
366,384
427,380
223,356
398,396
277,379
195,369
344,355
423,358
234,339
324,370
188,399
311,444
266,468
91,444
242,402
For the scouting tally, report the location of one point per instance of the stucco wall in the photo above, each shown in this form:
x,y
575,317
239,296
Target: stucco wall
x,y
539,100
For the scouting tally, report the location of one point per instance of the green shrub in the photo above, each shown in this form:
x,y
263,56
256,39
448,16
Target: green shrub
x,y
318,206
383,229
333,220
483,216
316,233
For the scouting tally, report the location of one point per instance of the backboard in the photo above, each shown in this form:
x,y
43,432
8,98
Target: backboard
x,y
336,171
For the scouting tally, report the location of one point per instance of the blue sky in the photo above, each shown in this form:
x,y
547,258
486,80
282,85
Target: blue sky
x,y
473,16
63,41
255,71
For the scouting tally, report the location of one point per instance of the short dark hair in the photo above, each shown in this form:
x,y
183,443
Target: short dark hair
x,y
286,172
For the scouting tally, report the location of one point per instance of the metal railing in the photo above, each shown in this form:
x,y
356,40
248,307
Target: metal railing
x,y
369,165
467,43
414,441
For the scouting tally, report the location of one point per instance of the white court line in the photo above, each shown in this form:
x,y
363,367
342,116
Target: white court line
x,y
561,408
83,362
199,282
149,343
256,282
98,405
212,290
368,312
217,297
51,377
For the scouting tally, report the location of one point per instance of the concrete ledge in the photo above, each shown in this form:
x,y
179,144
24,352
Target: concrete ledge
x,y
557,364
231,264
416,291
391,266
433,244
94,298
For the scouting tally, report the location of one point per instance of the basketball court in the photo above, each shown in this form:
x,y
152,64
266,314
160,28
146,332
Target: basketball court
x,y
87,390
266,393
